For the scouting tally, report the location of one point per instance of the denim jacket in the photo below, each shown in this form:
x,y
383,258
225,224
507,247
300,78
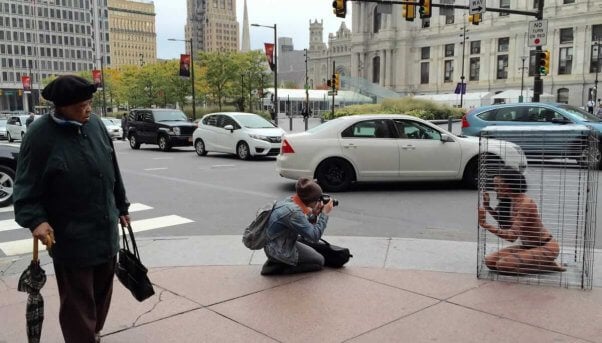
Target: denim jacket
x,y
286,223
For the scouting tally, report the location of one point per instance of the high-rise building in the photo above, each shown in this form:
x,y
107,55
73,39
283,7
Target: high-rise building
x,y
43,38
212,25
246,37
133,34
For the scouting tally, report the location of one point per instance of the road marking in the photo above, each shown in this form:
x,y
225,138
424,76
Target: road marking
x,y
24,246
149,169
11,224
162,158
6,209
223,166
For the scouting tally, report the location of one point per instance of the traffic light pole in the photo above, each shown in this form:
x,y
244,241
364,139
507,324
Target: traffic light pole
x,y
538,82
334,87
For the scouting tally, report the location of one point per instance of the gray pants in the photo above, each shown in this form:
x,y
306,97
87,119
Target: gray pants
x,y
309,261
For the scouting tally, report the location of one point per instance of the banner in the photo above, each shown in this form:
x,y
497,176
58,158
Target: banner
x,y
97,78
269,53
26,80
185,65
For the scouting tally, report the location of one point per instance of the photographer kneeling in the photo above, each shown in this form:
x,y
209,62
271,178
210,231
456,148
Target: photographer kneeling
x,y
303,214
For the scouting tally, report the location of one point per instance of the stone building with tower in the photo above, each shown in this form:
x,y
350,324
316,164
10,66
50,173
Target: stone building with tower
x,y
321,54
426,56
132,31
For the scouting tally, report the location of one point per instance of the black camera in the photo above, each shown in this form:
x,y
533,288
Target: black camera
x,y
325,198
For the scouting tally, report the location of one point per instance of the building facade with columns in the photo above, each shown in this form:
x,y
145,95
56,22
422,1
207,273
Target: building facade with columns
x,y
321,55
133,34
426,56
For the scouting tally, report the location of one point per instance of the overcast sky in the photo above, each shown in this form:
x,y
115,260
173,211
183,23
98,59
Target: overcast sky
x,y
291,16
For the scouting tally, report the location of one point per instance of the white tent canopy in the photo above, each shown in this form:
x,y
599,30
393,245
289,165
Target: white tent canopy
x,y
512,96
319,95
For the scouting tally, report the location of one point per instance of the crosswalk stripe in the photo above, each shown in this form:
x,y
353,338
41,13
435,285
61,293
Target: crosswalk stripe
x,y
6,209
24,246
11,224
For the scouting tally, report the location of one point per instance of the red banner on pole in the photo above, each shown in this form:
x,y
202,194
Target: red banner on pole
x,y
97,78
26,80
185,65
269,53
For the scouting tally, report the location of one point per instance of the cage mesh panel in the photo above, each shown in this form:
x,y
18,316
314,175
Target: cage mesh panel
x,y
562,179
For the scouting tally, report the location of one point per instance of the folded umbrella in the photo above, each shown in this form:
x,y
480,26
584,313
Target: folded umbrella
x,y
31,281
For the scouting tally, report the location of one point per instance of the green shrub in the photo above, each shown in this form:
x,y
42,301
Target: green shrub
x,y
421,108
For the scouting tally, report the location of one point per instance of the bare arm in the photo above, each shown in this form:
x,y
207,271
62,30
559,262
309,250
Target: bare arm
x,y
511,234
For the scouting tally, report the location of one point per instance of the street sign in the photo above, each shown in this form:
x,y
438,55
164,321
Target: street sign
x,y
331,93
476,7
460,88
538,33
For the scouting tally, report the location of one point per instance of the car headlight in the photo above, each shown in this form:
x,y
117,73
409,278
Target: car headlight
x,y
176,131
260,137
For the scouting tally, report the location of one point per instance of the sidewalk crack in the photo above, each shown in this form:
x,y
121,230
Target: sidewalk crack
x,y
389,240
160,299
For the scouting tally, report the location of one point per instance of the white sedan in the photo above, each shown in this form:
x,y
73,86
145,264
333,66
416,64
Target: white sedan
x,y
113,128
243,134
387,148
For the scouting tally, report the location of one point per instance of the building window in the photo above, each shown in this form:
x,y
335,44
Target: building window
x,y
424,72
566,36
596,40
568,2
595,58
502,67
449,19
565,62
502,44
377,21
563,96
448,71
475,47
425,52
475,67
449,50
504,4
376,69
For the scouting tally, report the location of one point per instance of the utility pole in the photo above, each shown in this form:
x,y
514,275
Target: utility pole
x,y
306,114
334,89
538,82
463,58
242,92
522,79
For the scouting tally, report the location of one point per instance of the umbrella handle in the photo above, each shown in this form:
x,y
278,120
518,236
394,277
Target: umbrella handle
x,y
35,249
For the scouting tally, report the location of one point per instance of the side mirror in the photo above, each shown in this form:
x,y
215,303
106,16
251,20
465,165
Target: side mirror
x,y
446,138
229,127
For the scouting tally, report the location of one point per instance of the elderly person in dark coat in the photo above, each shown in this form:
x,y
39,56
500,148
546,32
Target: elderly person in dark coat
x,y
69,191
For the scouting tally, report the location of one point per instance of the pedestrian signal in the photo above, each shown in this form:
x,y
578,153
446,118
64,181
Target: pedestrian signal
x,y
408,12
426,9
340,8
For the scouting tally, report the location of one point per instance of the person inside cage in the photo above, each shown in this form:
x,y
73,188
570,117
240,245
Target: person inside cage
x,y
517,217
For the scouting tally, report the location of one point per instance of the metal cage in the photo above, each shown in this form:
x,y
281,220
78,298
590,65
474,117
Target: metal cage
x,y
561,180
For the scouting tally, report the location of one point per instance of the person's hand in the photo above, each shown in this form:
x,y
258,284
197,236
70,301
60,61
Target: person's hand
x,y
328,207
45,234
482,216
124,220
486,199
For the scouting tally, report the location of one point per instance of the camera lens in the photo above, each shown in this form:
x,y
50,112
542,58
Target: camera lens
x,y
335,202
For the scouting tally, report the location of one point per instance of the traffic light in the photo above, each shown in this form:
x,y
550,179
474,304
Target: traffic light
x,y
544,62
337,81
475,19
19,92
409,12
340,8
426,8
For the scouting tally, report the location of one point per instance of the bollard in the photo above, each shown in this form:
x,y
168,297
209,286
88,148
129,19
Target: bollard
x,y
290,122
449,124
306,119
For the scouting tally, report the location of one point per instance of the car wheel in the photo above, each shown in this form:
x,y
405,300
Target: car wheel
x,y
335,175
134,142
242,151
164,143
471,174
7,181
10,139
199,147
22,135
587,156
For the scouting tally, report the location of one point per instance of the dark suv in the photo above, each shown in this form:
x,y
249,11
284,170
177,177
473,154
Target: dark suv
x,y
164,127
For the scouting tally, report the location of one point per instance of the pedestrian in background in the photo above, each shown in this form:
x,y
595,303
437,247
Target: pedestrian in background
x,y
29,120
302,214
124,126
590,105
68,186
599,111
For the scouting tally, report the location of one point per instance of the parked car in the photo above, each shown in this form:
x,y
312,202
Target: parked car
x,y
165,127
386,148
16,128
114,130
3,128
536,114
244,134
8,165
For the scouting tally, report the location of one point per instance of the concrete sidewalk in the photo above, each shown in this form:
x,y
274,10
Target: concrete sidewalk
x,y
208,289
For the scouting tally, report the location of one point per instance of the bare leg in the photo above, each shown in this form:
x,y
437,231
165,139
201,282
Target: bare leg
x,y
531,260
491,260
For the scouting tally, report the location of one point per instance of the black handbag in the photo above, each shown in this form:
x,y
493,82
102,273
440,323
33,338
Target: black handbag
x,y
334,256
130,271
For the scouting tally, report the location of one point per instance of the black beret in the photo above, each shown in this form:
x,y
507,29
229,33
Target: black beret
x,y
68,90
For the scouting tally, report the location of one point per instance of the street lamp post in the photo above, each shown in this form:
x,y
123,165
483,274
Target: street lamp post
x,y
597,44
276,102
189,41
463,58
522,79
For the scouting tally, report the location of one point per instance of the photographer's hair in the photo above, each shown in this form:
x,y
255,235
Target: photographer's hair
x,y
502,213
513,179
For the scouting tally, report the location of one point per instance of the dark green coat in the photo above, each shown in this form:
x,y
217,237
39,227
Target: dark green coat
x,y
66,176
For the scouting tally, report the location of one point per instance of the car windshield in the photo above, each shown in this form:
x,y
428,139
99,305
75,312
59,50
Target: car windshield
x,y
169,116
107,122
253,122
583,115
